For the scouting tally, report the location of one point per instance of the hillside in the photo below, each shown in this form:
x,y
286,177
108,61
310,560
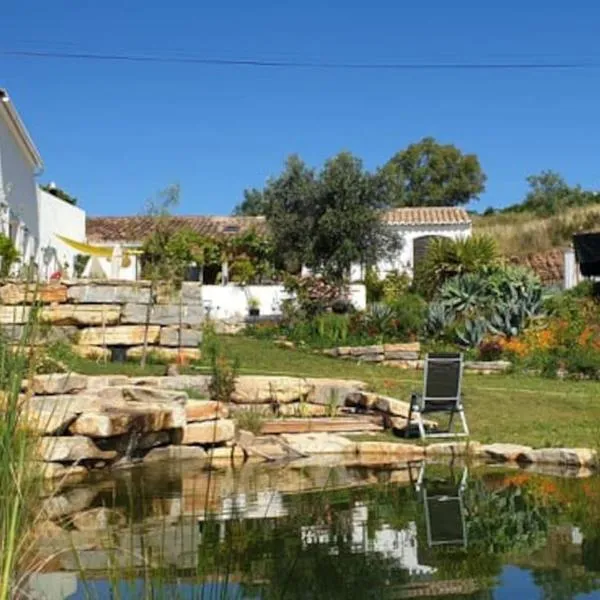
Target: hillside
x,y
521,234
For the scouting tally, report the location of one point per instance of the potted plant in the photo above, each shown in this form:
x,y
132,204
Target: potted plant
x,y
253,307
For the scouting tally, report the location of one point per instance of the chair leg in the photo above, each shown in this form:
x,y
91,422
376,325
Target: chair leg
x,y
450,421
421,425
463,419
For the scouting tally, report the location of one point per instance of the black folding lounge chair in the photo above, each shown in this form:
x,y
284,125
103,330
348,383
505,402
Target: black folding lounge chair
x,y
441,393
444,509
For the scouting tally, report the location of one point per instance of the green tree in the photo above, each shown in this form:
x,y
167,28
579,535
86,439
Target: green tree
x,y
327,221
347,227
549,194
254,204
292,197
431,174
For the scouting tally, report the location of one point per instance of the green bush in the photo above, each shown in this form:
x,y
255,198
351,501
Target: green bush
x,y
446,258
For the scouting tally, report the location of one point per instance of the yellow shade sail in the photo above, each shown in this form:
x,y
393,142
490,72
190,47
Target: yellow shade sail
x,y
100,251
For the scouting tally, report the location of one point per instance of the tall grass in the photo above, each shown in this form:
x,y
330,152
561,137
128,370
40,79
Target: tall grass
x,y
19,479
518,234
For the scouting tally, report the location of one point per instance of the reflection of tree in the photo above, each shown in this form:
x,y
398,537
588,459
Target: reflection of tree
x,y
500,521
561,583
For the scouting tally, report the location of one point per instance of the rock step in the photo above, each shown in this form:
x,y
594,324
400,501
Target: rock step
x,y
324,425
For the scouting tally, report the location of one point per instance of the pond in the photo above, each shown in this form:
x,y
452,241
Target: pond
x,y
304,531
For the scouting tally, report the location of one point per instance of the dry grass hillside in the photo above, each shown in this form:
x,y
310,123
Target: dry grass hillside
x,y
524,234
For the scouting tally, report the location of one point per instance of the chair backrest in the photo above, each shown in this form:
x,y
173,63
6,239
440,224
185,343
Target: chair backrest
x,y
443,375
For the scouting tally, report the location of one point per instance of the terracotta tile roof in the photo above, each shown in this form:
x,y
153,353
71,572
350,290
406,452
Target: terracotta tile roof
x,y
135,229
434,215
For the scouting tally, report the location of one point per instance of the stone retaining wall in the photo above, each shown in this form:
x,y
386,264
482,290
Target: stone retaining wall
x,y
407,356
99,315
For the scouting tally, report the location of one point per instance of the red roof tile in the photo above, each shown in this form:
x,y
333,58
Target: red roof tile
x,y
433,215
135,229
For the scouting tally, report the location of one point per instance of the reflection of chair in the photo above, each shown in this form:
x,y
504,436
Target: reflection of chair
x,y
444,509
441,393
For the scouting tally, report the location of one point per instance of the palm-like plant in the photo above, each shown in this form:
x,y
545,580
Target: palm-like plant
x,y
447,258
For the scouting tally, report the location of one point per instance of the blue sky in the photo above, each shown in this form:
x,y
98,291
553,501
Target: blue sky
x,y
113,134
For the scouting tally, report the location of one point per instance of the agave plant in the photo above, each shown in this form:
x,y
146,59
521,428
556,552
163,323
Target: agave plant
x,y
439,318
472,332
465,293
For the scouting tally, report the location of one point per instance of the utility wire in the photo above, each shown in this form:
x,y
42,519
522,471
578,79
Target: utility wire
x,y
293,64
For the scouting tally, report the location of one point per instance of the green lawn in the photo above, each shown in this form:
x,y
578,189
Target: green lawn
x,y
507,408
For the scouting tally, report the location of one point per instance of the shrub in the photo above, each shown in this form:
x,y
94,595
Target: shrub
x,y
9,255
314,295
250,419
224,370
446,258
490,349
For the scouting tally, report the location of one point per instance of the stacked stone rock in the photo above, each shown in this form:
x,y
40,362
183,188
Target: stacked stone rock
x,y
407,356
97,316
94,422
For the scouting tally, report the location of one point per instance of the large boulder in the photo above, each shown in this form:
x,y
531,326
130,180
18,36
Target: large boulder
x,y
166,354
469,448
167,314
173,336
579,457
390,449
72,449
43,335
21,293
145,394
48,418
259,389
205,410
504,452
332,392
91,352
319,443
109,294
119,421
392,406
209,432
119,335
14,315
81,314
57,383
97,519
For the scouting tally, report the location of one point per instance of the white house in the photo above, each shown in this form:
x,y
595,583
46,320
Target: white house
x,y
416,227
31,217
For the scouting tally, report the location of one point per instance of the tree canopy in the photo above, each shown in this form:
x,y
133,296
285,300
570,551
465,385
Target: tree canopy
x,y
327,220
431,174
549,194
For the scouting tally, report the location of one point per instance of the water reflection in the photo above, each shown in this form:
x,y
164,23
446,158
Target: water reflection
x,y
310,531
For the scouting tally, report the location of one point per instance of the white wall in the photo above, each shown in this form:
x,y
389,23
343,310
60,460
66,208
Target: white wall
x,y
403,262
231,301
58,217
100,268
18,188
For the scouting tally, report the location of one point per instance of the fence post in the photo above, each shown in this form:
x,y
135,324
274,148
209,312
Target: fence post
x,y
571,269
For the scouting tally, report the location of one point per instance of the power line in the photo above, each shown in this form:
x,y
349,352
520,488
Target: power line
x,y
298,64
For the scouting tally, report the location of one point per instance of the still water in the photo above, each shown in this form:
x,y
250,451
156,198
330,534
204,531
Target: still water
x,y
317,531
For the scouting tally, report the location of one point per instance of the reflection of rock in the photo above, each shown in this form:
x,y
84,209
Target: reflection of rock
x,y
394,449
69,502
173,453
51,586
96,519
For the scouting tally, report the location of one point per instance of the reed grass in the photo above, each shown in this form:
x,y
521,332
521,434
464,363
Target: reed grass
x,y
519,234
19,479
